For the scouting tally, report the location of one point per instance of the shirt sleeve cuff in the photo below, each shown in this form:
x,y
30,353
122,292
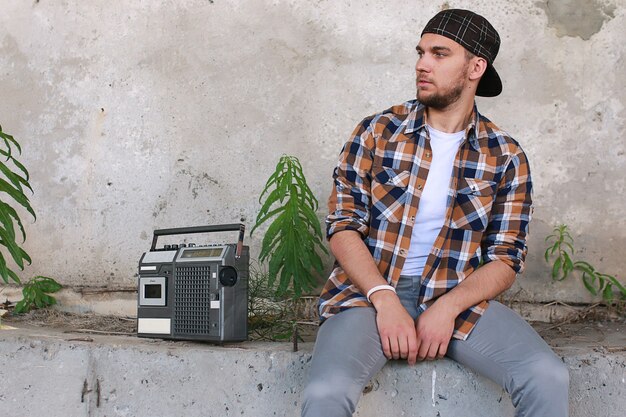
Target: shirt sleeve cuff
x,y
511,257
338,225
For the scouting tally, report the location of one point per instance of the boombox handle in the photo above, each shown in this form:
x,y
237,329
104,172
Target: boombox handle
x,y
204,229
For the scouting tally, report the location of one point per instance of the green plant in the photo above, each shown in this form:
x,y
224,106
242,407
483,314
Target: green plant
x,y
37,289
562,250
270,316
17,177
36,292
293,237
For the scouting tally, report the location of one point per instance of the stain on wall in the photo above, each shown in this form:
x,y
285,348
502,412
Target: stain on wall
x,y
582,18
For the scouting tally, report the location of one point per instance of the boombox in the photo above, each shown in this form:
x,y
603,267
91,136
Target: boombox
x,y
194,292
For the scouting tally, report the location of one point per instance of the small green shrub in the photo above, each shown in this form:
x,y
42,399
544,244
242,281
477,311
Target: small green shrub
x,y
13,182
17,176
561,249
294,236
35,294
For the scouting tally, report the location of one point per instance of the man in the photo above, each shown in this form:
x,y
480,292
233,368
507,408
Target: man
x,y
428,220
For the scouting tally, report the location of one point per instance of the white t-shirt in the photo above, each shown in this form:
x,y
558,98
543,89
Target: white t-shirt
x,y
431,212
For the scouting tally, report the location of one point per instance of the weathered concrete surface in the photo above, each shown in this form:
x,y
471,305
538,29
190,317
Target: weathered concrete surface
x,y
60,374
142,115
86,300
577,18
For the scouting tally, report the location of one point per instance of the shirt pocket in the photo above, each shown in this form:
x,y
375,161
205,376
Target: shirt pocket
x,y
472,207
389,193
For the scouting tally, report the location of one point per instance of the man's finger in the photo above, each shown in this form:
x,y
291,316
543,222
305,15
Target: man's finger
x,y
393,346
423,350
412,356
386,349
403,345
432,352
443,348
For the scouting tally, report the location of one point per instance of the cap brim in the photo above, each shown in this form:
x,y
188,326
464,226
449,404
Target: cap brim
x,y
490,84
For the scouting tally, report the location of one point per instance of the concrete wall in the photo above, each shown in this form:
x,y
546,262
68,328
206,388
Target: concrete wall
x,y
136,115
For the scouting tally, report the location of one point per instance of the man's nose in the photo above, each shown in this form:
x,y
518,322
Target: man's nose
x,y
421,65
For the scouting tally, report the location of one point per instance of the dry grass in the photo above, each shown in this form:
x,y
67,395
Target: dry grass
x,y
76,322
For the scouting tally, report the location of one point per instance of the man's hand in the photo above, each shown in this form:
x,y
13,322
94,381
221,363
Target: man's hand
x,y
395,327
434,329
436,324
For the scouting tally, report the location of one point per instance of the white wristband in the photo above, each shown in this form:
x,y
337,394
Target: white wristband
x,y
379,288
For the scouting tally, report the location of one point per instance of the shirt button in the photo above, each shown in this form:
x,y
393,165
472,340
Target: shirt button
x,y
419,186
402,252
427,154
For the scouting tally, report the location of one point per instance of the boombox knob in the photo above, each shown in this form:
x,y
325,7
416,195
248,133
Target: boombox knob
x,y
228,276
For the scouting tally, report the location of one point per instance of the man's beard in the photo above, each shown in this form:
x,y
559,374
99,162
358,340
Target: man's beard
x,y
441,101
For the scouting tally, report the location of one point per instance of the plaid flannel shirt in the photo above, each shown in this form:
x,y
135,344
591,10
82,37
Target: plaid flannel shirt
x,y
378,182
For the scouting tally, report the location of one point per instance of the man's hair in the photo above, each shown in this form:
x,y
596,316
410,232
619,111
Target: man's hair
x,y
468,55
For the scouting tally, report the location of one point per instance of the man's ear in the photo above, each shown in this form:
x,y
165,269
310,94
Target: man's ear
x,y
478,66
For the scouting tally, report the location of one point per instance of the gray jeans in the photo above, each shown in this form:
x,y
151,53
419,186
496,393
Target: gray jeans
x,y
502,347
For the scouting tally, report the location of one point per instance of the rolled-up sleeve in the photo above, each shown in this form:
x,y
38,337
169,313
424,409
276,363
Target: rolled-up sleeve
x,y
348,204
505,237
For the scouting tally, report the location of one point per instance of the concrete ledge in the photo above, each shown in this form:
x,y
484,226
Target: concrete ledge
x,y
71,374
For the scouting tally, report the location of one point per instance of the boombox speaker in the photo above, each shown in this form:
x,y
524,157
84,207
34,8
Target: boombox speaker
x,y
194,292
